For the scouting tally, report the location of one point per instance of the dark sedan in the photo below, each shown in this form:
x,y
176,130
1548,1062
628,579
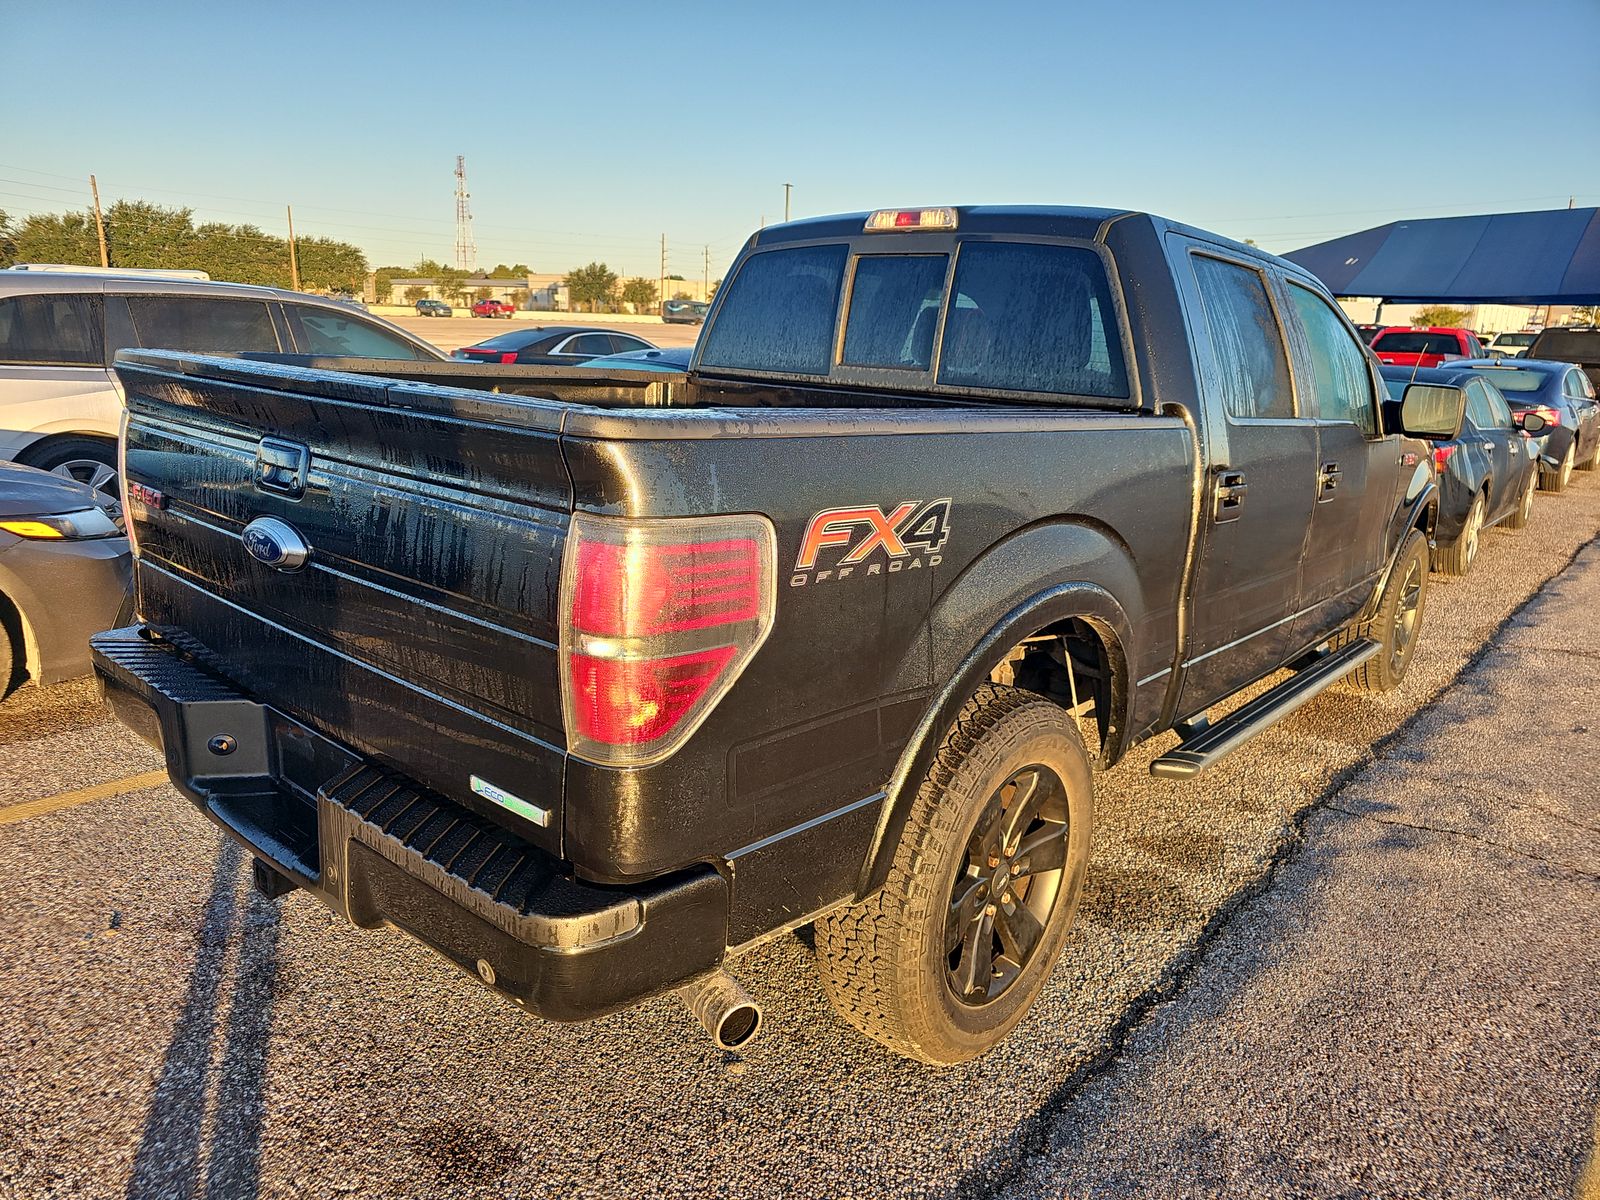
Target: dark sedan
x,y
1560,393
1487,473
64,566
671,358
551,346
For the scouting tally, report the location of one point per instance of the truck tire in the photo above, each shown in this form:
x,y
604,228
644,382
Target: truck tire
x,y
944,962
1519,516
1397,622
1457,557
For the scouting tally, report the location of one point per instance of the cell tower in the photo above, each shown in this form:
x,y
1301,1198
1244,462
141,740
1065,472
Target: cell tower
x,y
466,248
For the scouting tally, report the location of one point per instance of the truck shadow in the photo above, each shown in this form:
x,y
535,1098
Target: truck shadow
x,y
168,1162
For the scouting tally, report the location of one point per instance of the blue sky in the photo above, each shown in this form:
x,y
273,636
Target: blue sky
x,y
590,130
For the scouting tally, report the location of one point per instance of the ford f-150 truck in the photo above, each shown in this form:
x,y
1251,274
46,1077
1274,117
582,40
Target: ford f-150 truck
x,y
590,680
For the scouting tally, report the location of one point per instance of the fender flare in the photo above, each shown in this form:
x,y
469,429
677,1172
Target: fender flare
x,y
1082,600
1422,512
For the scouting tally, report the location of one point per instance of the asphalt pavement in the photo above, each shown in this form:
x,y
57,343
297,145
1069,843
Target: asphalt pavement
x,y
1355,959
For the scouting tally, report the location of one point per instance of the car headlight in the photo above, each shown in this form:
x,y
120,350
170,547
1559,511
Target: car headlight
x,y
88,523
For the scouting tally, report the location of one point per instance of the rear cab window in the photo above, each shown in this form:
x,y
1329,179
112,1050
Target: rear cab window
x,y
1003,318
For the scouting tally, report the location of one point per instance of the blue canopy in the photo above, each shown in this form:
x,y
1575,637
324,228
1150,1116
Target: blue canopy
x,y
1508,258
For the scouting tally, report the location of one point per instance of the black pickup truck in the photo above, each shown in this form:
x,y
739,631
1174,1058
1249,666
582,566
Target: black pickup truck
x,y
590,680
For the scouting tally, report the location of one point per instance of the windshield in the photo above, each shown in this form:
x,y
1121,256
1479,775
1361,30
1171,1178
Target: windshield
x,y
1417,343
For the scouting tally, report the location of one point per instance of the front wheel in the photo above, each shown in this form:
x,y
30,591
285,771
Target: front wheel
x,y
945,961
1398,620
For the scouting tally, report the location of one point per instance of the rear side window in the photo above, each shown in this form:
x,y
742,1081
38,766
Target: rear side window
x,y
1577,385
1032,318
201,323
1246,341
587,343
779,313
1341,386
52,330
894,307
621,343
324,332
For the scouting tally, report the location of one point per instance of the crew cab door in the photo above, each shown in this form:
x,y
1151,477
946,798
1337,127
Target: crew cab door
x,y
1259,485
1357,470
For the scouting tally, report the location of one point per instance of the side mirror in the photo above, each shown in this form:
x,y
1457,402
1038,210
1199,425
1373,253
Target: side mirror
x,y
1432,412
1533,423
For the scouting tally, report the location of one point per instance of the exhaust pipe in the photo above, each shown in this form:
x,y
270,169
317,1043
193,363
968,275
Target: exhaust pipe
x,y
724,1009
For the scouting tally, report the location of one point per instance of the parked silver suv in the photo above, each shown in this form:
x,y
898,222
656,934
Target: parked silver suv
x,y
59,400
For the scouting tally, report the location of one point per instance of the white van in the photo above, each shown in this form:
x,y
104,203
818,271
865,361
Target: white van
x,y
59,400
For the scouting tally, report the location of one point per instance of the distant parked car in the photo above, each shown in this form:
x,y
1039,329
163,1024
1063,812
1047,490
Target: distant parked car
x,y
1579,345
493,308
1403,346
1563,396
1487,473
684,312
60,404
551,345
64,567
669,358
1511,345
434,308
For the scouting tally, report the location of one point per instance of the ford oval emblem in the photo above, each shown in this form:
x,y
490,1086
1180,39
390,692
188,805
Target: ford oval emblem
x,y
276,543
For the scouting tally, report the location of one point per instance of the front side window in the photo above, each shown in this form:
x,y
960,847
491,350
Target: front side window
x,y
1032,318
779,313
894,307
56,329
1341,388
324,332
201,323
1252,368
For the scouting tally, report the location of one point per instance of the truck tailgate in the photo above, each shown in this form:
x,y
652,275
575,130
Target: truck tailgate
x,y
421,630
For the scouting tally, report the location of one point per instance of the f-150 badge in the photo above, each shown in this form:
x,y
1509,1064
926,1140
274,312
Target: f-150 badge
x,y
911,534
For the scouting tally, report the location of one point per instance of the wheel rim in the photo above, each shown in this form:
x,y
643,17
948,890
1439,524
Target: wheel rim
x,y
1566,464
1406,613
1474,528
1008,886
91,471
1527,496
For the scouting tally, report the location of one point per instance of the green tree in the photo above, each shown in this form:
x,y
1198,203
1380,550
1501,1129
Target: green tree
x,y
641,293
715,284
1583,315
413,294
451,283
483,293
8,241
57,237
520,297
1441,316
682,296
519,271
594,285
383,282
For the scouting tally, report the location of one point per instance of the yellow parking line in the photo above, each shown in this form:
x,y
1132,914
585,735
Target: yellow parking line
x,y
12,813
1589,1181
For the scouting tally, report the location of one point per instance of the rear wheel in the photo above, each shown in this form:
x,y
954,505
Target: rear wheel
x,y
88,460
1397,622
945,961
1593,460
1524,510
1457,558
1557,480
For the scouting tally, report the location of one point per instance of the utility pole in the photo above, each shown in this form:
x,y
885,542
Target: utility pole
x,y
705,283
99,225
662,294
787,188
294,261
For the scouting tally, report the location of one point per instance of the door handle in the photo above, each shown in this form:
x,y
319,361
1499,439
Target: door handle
x,y
1327,478
1488,447
1231,489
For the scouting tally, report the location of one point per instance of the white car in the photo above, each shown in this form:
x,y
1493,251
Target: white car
x,y
60,404
1511,345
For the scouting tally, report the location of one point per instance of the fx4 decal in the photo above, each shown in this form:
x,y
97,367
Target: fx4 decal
x,y
910,536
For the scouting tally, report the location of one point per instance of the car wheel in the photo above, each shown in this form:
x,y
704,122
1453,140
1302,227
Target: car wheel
x,y
1518,518
1593,460
1557,480
10,667
1456,558
88,460
945,961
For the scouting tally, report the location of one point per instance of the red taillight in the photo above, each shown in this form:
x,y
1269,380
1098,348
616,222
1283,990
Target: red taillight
x,y
658,618
1552,416
509,356
1441,456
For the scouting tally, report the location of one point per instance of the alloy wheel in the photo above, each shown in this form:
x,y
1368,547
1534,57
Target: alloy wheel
x,y
91,471
1008,886
1406,613
1470,535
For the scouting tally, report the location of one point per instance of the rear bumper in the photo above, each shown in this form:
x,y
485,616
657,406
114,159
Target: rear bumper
x,y
380,850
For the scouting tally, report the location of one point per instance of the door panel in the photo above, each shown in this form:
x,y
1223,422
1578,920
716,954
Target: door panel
x,y
1260,486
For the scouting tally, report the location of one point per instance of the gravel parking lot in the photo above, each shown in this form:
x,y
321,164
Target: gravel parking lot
x,y
1355,959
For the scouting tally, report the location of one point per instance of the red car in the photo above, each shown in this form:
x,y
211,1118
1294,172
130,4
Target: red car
x,y
1403,346
493,308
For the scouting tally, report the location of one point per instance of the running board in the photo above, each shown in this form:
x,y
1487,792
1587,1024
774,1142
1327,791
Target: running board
x,y
1208,745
